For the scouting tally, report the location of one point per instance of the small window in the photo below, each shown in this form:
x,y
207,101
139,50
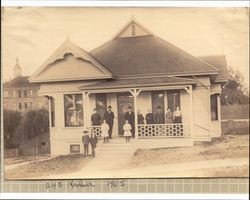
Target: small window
x,y
52,114
133,29
14,93
31,93
25,93
74,148
25,106
19,93
20,106
30,105
214,107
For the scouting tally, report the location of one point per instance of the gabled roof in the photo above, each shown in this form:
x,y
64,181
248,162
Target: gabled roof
x,y
132,29
138,82
70,62
148,55
219,61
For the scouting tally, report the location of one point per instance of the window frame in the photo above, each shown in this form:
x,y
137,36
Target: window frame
x,y
216,107
154,107
73,126
19,93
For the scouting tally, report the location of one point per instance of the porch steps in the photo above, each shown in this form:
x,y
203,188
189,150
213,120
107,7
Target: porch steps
x,y
115,147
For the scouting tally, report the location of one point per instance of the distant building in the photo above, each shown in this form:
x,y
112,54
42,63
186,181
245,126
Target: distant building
x,y
20,94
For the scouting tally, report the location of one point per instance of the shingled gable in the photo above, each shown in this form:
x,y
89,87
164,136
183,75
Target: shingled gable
x,y
70,62
146,54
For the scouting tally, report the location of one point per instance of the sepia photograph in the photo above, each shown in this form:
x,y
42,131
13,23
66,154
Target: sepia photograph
x,y
96,93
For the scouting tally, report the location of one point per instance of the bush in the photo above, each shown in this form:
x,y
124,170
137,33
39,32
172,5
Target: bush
x,y
11,121
34,123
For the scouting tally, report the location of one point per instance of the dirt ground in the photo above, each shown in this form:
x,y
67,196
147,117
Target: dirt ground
x,y
57,165
227,147
224,150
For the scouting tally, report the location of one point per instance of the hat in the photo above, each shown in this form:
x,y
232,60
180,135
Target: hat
x,y
129,107
95,108
85,131
109,107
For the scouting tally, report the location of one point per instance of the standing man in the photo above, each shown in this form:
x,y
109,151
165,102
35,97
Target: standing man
x,y
109,117
130,116
85,141
93,141
96,118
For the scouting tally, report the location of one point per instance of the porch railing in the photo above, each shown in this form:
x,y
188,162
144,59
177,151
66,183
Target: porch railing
x,y
96,130
162,130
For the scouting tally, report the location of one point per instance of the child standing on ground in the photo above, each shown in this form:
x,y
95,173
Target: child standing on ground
x,y
105,131
127,131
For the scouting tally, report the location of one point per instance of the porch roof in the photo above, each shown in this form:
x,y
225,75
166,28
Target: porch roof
x,y
138,82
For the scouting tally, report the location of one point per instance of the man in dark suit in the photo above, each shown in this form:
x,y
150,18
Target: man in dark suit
x,y
93,141
96,118
130,116
159,116
109,117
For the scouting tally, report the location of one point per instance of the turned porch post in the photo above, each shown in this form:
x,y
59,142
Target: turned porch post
x,y
135,93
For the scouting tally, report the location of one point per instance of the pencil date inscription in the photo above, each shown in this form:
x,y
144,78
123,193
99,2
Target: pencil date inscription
x,y
115,183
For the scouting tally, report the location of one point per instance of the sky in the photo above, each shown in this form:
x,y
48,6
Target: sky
x,y
33,33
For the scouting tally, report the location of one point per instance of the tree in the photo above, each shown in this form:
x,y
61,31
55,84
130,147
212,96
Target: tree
x,y
234,91
11,120
34,123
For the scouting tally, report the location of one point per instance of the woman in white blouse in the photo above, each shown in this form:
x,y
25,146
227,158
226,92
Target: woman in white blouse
x,y
177,115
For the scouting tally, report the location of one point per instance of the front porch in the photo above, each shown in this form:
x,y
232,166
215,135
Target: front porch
x,y
143,100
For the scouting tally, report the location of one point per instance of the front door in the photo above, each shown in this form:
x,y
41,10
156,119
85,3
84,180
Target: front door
x,y
124,100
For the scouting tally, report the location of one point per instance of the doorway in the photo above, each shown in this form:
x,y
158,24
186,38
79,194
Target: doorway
x,y
124,100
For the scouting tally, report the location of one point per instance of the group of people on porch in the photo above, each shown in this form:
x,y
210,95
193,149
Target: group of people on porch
x,y
129,120
159,118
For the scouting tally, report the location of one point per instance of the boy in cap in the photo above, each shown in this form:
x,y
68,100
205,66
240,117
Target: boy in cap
x,y
85,141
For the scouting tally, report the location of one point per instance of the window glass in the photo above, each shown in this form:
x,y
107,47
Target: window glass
x,y
74,148
25,106
52,107
73,107
157,101
214,107
101,104
25,93
31,93
173,99
19,93
20,106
